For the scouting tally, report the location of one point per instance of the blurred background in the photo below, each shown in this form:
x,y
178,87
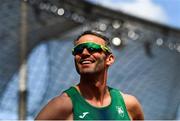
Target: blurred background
x,y
36,39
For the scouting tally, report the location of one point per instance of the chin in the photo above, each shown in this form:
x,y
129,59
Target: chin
x,y
86,72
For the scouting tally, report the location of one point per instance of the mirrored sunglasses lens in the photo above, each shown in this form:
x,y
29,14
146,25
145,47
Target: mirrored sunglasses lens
x,y
78,50
94,49
91,47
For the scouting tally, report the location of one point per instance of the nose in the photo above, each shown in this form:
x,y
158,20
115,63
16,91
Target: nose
x,y
85,52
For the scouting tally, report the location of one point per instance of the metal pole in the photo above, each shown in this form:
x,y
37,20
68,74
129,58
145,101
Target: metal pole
x,y
23,68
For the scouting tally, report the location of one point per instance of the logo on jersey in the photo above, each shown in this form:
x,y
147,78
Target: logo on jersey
x,y
120,111
83,115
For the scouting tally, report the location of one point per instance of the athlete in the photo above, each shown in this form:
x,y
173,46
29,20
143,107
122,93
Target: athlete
x,y
92,99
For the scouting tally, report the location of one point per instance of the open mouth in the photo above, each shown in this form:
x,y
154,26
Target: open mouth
x,y
86,61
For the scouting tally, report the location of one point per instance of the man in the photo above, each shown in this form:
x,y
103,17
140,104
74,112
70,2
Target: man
x,y
92,99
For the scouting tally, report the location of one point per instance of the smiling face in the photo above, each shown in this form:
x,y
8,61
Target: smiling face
x,y
91,62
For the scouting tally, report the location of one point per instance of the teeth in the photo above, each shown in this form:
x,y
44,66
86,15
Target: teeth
x,y
86,62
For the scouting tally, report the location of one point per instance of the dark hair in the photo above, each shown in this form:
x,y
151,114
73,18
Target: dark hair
x,y
96,33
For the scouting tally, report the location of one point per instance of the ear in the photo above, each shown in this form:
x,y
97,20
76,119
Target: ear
x,y
110,59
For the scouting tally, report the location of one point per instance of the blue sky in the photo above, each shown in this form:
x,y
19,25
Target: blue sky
x,y
161,11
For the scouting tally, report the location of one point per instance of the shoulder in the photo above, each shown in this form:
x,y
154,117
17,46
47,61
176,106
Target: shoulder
x,y
63,98
133,106
130,100
59,107
61,101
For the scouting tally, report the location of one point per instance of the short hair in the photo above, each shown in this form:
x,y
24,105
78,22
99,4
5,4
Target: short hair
x,y
97,33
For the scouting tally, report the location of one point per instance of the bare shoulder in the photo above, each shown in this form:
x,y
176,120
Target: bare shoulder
x,y
130,100
59,107
62,101
133,106
63,98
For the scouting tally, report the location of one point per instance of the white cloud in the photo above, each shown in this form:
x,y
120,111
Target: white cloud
x,y
142,8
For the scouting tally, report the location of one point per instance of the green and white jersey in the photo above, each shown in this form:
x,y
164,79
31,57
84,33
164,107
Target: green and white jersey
x,y
82,110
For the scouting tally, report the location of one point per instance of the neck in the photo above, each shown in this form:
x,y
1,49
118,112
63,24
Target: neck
x,y
94,88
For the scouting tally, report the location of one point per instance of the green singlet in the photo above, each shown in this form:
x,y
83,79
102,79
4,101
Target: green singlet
x,y
82,110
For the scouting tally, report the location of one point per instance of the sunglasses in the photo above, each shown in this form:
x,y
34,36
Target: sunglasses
x,y
91,47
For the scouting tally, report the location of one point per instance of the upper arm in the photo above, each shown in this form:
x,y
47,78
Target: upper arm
x,y
58,108
134,107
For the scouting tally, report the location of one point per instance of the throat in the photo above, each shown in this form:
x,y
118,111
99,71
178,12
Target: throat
x,y
98,97
100,103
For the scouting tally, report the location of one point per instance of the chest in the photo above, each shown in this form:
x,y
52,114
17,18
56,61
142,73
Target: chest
x,y
84,111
